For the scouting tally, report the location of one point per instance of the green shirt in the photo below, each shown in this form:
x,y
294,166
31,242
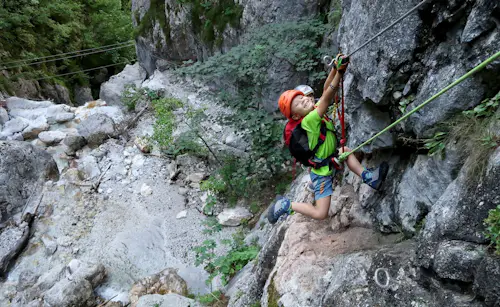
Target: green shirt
x,y
312,124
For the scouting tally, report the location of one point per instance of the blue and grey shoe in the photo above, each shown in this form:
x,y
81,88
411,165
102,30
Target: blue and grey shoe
x,y
374,177
281,207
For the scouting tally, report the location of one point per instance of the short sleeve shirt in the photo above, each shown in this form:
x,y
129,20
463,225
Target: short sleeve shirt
x,y
312,124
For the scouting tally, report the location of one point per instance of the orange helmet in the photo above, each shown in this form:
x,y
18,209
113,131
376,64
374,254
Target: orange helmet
x,y
285,102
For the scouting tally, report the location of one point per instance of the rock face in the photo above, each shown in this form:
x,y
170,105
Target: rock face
x,y
111,91
165,282
71,285
32,167
96,128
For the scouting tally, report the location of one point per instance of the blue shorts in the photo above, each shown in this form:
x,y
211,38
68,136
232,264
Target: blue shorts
x,y
323,185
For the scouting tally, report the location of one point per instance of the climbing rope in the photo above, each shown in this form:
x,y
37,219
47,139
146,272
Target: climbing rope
x,y
479,67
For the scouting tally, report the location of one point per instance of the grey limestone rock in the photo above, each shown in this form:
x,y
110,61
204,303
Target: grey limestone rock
x,y
458,260
168,300
111,90
234,216
82,95
22,167
487,280
96,128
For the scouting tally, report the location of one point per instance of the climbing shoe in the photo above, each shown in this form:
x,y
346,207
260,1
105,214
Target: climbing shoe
x,y
374,177
281,207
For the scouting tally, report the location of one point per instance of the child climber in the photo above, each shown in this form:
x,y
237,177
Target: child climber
x,y
301,110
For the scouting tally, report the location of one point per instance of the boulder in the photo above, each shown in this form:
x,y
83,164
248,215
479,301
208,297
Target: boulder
x,y
22,168
458,260
56,92
487,279
83,95
51,137
96,128
479,21
168,300
4,116
12,239
14,103
234,216
196,177
74,142
165,282
69,293
13,127
111,91
35,127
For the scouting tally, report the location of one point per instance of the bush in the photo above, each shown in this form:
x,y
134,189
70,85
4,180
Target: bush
x,y
492,223
228,265
473,133
165,120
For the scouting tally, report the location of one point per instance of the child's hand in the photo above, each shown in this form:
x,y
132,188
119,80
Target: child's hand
x,y
344,60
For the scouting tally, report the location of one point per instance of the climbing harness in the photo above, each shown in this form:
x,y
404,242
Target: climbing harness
x,y
479,67
387,278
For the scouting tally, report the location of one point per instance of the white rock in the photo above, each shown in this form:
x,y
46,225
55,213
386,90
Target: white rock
x,y
111,91
4,116
51,137
196,177
64,241
35,127
397,95
146,190
234,216
89,167
181,215
14,126
183,191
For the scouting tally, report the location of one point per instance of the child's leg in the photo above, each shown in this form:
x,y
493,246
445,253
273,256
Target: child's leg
x,y
318,212
352,162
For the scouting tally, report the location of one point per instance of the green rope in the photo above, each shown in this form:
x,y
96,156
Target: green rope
x,y
344,156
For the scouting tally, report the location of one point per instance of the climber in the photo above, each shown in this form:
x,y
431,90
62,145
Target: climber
x,y
311,140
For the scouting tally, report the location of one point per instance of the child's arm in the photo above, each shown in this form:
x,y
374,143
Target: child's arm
x,y
329,93
329,80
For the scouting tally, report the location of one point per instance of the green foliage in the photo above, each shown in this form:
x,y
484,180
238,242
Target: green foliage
x,y
210,18
214,299
156,12
492,223
403,103
211,201
165,120
32,29
211,226
131,96
335,14
228,265
473,132
486,108
436,144
294,43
